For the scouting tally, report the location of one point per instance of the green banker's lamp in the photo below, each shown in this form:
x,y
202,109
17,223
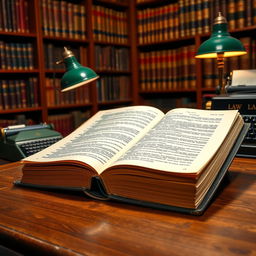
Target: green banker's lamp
x,y
220,45
76,74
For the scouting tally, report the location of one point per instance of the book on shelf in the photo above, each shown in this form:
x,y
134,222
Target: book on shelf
x,y
140,155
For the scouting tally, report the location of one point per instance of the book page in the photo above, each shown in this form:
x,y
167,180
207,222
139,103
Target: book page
x,y
103,138
184,141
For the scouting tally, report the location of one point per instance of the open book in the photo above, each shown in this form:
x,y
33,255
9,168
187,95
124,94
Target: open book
x,y
140,155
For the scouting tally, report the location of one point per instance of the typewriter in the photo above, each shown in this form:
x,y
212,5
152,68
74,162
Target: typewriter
x,y
241,95
20,141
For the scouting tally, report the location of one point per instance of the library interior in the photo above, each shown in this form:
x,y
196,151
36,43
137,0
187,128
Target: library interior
x,y
65,63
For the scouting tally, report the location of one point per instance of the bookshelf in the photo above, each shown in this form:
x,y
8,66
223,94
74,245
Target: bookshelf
x,y
142,49
170,32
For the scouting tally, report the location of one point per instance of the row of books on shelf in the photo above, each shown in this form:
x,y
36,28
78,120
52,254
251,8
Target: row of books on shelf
x,y
63,19
19,93
14,16
16,55
66,123
54,52
109,25
113,88
55,97
165,70
186,18
248,61
112,58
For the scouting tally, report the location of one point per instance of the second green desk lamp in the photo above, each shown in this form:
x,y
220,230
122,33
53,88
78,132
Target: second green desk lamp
x,y
220,45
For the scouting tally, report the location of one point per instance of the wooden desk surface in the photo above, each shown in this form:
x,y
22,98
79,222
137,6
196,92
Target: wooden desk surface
x,y
55,223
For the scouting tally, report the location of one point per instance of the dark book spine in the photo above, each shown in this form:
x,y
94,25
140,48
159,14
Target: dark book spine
x,y
240,14
248,13
231,14
44,15
1,98
6,101
18,93
2,56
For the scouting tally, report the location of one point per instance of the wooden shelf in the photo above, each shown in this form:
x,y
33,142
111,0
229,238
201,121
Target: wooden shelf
x,y
112,3
18,34
113,72
20,110
57,71
152,3
111,43
65,39
22,71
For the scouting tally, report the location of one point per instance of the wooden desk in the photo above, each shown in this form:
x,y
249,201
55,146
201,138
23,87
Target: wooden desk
x,y
54,223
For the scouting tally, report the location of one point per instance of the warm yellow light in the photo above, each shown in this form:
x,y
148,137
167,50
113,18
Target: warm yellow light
x,y
226,54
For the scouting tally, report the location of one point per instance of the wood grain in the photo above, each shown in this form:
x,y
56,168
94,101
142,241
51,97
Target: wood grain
x,y
38,222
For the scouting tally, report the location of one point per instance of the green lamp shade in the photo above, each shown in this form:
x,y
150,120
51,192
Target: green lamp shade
x,y
220,42
76,74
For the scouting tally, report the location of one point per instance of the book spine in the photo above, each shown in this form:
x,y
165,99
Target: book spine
x,y
9,15
140,26
22,16
11,94
192,17
169,70
83,22
13,56
23,93
4,16
44,17
182,17
248,13
56,18
240,14
175,66
26,16
199,16
254,11
208,73
206,16
13,17
7,50
2,56
6,101
18,93
192,67
184,68
245,60
76,18
49,5
231,14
